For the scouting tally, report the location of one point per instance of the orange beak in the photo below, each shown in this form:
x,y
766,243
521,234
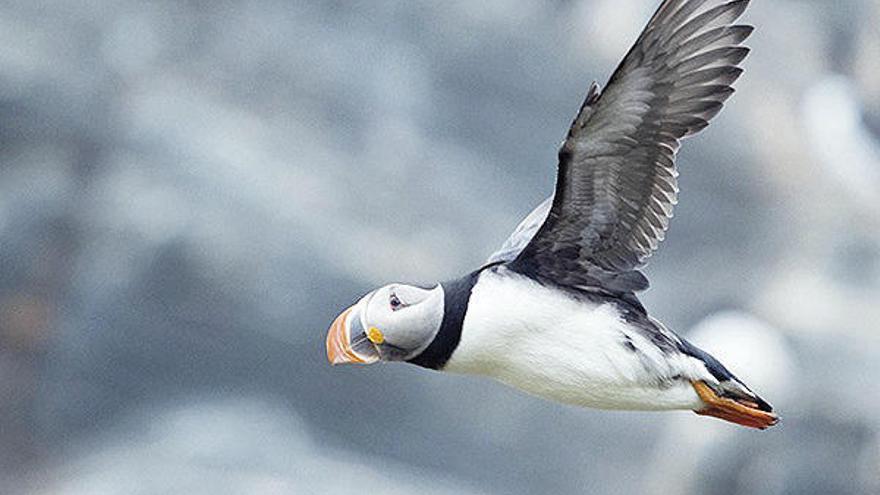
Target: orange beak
x,y
339,349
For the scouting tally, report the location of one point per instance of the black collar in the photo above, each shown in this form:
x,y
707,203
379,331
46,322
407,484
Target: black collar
x,y
456,295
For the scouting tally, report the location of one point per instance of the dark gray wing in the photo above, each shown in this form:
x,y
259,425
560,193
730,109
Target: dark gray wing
x,y
616,183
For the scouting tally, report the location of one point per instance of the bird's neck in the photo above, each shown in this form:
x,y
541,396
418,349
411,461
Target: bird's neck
x,y
456,295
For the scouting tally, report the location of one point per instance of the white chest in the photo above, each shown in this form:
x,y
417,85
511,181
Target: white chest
x,y
546,343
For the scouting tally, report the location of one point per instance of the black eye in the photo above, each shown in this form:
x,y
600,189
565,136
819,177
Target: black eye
x,y
395,302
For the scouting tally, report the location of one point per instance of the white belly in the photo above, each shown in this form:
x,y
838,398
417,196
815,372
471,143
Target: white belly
x,y
542,341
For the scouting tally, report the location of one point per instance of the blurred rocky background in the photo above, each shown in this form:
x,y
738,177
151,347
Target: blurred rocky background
x,y
191,190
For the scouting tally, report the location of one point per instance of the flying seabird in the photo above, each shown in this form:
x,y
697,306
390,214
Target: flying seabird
x,y
554,312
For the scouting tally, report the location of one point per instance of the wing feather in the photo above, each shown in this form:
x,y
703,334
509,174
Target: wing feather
x,y
617,183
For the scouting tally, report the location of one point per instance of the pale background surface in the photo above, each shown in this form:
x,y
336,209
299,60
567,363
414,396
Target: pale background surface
x,y
191,191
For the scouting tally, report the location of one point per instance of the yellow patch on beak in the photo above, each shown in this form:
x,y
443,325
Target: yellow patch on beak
x,y
375,335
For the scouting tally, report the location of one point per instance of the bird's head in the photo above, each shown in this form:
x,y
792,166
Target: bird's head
x,y
392,323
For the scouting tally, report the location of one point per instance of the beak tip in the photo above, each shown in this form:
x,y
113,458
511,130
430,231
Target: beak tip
x,y
338,348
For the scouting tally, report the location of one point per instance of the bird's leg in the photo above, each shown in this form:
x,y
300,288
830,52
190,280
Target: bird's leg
x,y
745,413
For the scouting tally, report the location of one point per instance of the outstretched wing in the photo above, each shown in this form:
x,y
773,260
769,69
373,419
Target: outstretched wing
x,y
616,183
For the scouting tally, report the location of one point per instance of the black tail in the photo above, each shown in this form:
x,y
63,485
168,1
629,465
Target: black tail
x,y
729,386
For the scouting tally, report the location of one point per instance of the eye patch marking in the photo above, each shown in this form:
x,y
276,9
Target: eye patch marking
x,y
396,303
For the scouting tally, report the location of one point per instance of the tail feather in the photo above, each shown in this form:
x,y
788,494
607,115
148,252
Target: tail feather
x,y
737,391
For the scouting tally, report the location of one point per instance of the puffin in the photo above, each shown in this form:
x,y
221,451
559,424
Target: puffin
x,y
555,311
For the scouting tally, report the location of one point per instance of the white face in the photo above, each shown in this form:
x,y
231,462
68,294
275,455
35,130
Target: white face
x,y
392,323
